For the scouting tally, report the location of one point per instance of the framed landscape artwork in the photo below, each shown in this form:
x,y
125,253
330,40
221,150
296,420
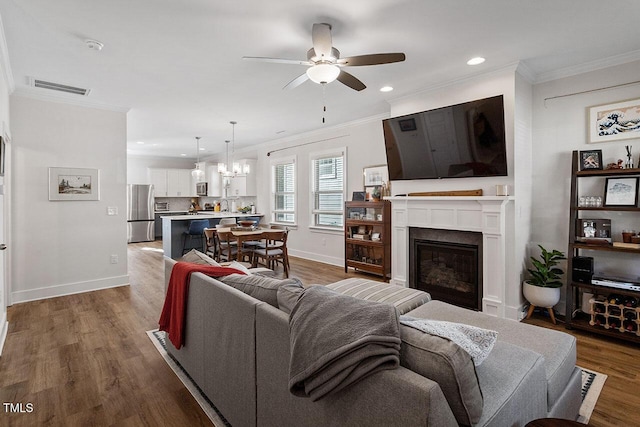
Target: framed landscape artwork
x,y
613,122
74,184
621,192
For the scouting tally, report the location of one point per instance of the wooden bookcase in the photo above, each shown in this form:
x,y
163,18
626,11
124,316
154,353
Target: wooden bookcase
x,y
367,237
601,314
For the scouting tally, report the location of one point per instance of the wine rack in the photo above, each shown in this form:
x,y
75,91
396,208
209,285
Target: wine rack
x,y
614,317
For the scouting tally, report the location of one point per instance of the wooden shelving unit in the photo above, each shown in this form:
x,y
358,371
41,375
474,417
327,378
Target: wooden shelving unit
x,y
367,237
585,321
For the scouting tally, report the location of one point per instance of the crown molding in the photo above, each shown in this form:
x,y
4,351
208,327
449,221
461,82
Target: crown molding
x,y
5,64
39,94
455,82
586,67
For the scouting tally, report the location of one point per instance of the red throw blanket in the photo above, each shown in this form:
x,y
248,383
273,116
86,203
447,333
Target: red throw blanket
x,y
172,319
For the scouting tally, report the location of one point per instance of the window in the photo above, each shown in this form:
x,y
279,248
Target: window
x,y
283,199
328,189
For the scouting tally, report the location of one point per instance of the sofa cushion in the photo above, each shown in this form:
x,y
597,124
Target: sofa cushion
x,y
288,295
196,257
557,348
447,364
260,287
403,299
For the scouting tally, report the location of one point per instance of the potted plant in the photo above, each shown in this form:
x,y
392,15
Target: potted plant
x,y
543,289
375,194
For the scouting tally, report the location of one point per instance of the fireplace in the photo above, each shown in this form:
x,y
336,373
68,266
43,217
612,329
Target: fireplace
x,y
447,264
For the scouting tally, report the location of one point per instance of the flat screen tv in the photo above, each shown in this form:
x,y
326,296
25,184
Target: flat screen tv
x,y
459,141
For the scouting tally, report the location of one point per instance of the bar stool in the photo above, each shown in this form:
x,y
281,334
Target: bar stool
x,y
195,232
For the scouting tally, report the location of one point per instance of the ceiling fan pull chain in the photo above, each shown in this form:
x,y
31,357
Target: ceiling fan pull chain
x,y
324,102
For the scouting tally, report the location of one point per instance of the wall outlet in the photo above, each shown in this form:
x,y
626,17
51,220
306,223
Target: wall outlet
x,y
114,259
324,242
112,210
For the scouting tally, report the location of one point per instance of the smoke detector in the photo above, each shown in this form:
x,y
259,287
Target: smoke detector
x,y
94,45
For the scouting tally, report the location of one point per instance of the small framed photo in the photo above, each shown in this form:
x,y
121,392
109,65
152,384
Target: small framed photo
x,y
591,159
621,192
74,184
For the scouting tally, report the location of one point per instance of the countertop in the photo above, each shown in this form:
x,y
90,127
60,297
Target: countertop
x,y
211,214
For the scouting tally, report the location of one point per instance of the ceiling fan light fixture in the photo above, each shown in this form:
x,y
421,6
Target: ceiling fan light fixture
x,y
323,73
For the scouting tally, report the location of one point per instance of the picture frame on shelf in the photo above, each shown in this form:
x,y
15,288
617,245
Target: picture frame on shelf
x,y
74,184
591,160
358,196
614,122
621,192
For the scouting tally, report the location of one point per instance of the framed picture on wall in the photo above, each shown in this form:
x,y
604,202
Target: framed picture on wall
x,y
74,184
613,122
375,175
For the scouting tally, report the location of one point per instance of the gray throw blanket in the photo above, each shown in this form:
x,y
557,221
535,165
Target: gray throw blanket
x,y
337,340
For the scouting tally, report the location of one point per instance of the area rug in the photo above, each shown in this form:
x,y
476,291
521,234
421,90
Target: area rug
x,y
592,383
159,341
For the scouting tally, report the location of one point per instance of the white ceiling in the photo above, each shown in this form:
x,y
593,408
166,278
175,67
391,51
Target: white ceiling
x,y
176,65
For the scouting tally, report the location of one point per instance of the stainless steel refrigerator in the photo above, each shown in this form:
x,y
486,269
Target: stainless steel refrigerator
x,y
140,219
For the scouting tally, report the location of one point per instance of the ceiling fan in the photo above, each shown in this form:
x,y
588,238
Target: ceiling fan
x,y
325,64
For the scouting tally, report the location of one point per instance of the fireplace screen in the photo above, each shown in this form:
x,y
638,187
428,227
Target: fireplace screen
x,y
448,271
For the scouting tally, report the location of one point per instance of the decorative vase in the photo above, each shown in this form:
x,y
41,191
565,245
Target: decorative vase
x,y
539,296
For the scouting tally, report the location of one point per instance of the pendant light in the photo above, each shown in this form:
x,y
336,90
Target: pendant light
x,y
230,168
197,173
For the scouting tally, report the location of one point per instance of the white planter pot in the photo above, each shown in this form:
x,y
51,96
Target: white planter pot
x,y
540,297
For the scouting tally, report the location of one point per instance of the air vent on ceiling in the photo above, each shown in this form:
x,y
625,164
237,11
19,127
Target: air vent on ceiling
x,y
59,87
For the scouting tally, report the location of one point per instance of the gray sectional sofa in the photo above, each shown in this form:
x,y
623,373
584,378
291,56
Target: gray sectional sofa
x,y
237,350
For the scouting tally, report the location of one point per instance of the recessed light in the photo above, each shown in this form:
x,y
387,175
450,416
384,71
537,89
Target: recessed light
x,y
183,155
475,61
386,89
140,142
201,148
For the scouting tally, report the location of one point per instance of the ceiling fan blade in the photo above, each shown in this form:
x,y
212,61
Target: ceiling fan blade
x,y
351,81
373,59
277,60
321,36
296,82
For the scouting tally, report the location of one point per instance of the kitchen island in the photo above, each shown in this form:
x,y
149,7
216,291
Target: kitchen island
x,y
173,227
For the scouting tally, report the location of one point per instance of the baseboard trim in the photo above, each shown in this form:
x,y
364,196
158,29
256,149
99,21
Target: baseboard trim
x,y
312,256
68,289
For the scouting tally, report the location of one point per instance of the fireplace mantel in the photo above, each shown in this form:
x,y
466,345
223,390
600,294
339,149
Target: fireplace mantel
x,y
485,214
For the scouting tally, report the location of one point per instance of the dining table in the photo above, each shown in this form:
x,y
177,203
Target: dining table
x,y
242,235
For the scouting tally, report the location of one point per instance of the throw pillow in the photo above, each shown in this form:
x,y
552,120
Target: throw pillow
x,y
196,257
447,364
259,287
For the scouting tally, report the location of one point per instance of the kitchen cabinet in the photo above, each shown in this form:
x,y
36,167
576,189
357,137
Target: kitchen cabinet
x,y
172,182
612,311
214,180
367,237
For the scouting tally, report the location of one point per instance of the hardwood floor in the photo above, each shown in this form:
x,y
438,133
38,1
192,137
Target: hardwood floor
x,y
86,360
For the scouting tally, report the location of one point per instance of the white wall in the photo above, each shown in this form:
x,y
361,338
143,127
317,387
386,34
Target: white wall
x,y
365,147
4,181
64,247
560,126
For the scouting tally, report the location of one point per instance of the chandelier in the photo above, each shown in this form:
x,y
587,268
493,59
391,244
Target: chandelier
x,y
197,173
230,168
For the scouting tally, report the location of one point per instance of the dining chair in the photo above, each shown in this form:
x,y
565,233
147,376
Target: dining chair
x,y
194,232
227,246
210,243
274,250
227,222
